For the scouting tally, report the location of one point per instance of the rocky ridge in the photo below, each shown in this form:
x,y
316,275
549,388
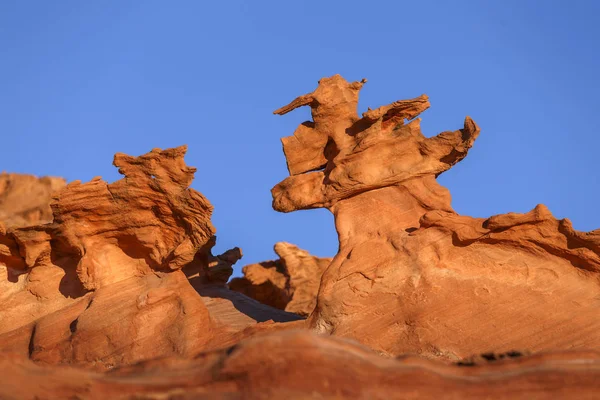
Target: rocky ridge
x,y
117,294
102,285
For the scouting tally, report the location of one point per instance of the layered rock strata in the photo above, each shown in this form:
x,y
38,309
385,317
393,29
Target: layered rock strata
x,y
120,282
102,285
300,365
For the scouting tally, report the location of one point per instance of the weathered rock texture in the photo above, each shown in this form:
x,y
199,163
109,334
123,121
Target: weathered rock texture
x,y
121,285
290,283
25,199
412,275
102,285
301,365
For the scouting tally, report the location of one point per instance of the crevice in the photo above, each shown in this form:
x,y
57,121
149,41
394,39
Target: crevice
x,y
73,325
31,346
357,272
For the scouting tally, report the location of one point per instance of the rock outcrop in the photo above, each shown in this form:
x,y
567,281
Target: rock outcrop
x,y
102,285
116,293
290,283
413,276
301,365
25,199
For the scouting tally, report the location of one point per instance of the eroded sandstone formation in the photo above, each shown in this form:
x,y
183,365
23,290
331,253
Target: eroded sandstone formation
x,y
116,293
25,199
413,276
290,283
102,285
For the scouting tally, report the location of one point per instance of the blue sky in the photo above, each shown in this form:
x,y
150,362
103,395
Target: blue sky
x,y
81,80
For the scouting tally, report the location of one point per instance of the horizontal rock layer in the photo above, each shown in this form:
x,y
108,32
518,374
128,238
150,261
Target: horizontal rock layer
x,y
302,365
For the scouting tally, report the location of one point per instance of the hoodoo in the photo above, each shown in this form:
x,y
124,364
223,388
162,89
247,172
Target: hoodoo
x,y
412,275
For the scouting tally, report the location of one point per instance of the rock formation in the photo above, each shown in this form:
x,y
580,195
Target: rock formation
x,y
301,365
116,294
102,285
25,199
290,283
412,275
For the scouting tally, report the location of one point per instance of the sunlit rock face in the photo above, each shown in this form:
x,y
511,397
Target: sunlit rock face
x,y
412,275
103,283
112,291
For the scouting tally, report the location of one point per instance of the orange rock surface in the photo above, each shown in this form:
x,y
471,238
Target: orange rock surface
x,y
25,199
102,285
413,276
300,365
115,293
290,283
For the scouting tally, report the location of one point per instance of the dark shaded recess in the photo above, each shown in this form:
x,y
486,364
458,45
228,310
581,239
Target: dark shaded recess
x,y
67,258
489,357
73,325
134,249
32,341
359,126
14,262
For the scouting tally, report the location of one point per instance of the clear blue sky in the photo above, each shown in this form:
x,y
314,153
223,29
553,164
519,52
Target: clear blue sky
x,y
81,80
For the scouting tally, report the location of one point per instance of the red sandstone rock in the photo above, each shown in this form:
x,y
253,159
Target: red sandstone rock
x,y
413,276
122,284
300,365
290,283
103,284
25,199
